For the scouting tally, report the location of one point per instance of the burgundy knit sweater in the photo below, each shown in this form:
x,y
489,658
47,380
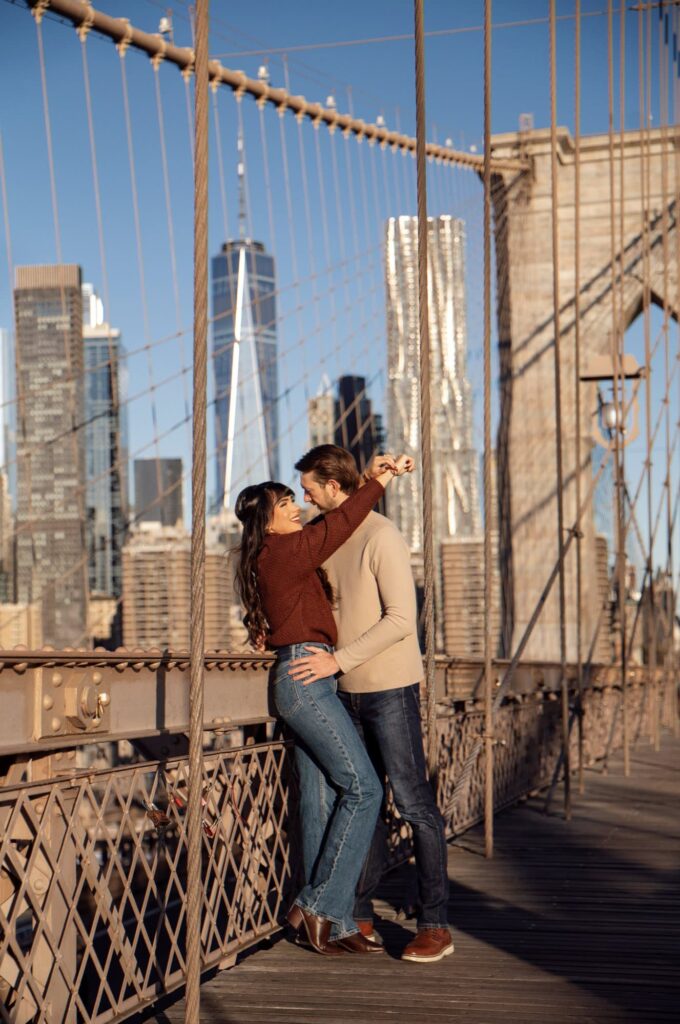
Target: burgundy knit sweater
x,y
293,599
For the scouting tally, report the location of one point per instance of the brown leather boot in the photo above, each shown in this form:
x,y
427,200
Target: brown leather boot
x,y
357,943
429,946
368,931
316,928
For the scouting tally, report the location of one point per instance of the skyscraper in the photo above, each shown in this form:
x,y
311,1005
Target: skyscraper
x,y
246,372
106,498
51,552
321,415
158,491
357,427
244,360
454,460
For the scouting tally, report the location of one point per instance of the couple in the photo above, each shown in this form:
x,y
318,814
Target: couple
x,y
335,600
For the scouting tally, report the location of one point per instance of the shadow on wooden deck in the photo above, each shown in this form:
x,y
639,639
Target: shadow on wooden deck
x,y
571,921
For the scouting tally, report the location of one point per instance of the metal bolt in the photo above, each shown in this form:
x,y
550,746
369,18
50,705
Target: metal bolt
x,y
57,679
55,724
96,678
39,885
47,702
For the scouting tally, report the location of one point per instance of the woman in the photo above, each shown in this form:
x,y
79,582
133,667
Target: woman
x,y
288,604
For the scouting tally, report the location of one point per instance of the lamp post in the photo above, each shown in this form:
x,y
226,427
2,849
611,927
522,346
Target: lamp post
x,y
610,418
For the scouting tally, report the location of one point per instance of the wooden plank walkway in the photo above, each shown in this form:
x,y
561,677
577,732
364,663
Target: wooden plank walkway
x,y
570,922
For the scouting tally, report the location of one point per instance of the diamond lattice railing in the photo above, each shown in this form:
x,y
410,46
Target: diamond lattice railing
x,y
93,865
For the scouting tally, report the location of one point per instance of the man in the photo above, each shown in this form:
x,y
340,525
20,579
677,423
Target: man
x,y
380,666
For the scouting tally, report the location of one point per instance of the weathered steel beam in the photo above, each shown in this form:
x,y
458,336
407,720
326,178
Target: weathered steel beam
x,y
57,700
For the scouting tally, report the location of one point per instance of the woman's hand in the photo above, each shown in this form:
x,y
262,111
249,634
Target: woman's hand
x,y
313,667
378,465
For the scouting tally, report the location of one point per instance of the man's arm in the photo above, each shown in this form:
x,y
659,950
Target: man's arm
x,y
390,563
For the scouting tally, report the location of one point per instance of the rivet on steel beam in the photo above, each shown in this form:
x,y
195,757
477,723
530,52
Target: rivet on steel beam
x,y
96,678
57,679
55,724
47,702
39,808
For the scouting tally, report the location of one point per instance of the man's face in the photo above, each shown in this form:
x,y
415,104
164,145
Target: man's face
x,y
322,496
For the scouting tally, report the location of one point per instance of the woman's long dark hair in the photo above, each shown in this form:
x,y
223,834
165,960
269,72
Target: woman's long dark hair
x,y
254,509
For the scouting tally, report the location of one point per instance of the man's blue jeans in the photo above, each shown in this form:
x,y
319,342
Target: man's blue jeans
x,y
389,723
340,793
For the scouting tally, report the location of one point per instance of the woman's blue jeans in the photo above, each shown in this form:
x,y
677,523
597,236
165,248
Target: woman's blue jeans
x,y
340,793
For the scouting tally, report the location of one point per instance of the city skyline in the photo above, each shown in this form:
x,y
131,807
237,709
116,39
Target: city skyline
x,y
149,286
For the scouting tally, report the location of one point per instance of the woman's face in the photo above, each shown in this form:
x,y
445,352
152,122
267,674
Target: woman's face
x,y
286,516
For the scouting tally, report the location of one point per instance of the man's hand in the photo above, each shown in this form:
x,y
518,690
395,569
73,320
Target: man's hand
x,y
313,667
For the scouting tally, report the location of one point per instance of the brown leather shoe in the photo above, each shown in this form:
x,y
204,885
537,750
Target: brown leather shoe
x,y
368,931
357,943
318,929
429,946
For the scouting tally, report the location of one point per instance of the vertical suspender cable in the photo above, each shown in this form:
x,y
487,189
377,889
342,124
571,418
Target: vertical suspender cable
x,y
664,49
675,80
646,301
425,421
558,415
620,344
198,475
618,404
577,378
488,676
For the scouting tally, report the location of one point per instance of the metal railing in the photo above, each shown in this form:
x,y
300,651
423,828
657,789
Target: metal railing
x,y
93,862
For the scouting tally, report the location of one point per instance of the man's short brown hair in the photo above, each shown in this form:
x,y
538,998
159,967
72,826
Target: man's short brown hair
x,y
330,462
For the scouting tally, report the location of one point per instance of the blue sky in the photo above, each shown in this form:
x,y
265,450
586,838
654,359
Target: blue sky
x,y
341,326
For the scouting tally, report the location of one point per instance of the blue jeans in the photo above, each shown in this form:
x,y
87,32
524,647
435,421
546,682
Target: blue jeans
x,y
340,793
389,723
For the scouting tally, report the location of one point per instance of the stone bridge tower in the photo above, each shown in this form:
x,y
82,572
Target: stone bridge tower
x,y
526,441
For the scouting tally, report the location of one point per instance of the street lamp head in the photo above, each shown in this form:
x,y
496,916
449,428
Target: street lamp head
x,y
609,415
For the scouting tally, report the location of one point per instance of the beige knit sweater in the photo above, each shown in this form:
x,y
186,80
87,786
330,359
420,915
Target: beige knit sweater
x,y
375,609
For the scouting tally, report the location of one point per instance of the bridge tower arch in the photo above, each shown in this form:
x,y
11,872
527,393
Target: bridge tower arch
x,y
524,267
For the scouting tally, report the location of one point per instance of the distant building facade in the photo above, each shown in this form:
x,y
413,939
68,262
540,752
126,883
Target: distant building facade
x,y
157,591
244,350
158,491
20,624
51,547
464,604
8,419
106,491
7,542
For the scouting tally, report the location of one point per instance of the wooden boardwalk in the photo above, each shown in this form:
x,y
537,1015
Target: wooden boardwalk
x,y
570,922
